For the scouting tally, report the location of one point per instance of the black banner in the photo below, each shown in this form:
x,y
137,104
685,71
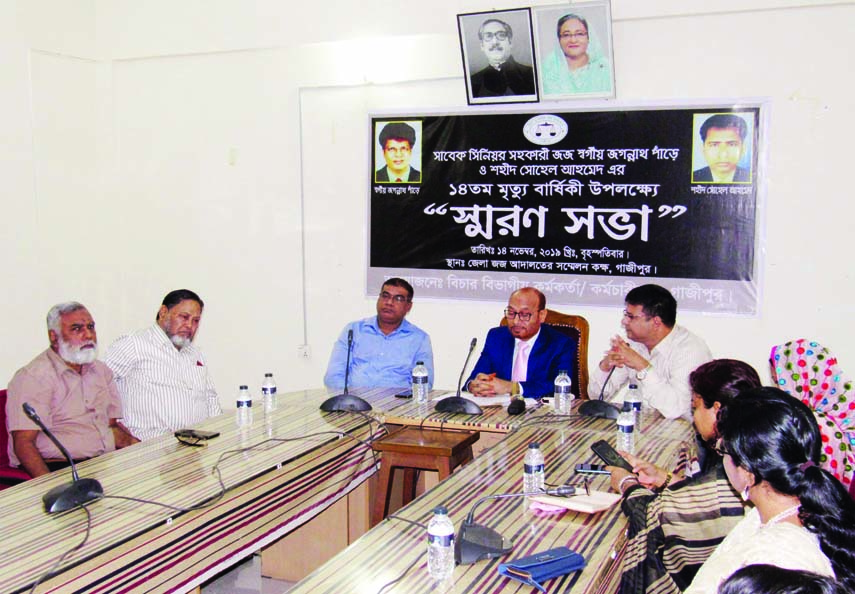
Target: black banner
x,y
596,196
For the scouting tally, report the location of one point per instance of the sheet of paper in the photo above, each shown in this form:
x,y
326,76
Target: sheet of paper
x,y
597,501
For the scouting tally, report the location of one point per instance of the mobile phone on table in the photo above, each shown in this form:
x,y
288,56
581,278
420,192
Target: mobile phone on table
x,y
196,434
591,469
405,394
609,455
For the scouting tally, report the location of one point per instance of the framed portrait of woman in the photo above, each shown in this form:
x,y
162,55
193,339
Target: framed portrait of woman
x,y
573,43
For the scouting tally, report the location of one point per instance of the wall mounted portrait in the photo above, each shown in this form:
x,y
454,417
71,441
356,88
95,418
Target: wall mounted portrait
x,y
498,56
574,50
398,152
721,148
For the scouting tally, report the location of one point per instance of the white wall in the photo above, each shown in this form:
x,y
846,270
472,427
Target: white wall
x,y
221,144
48,174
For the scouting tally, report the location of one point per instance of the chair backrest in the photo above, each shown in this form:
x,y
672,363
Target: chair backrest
x,y
8,474
577,328
4,432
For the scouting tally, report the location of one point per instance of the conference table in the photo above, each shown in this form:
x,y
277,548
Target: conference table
x,y
392,556
174,516
290,467
287,468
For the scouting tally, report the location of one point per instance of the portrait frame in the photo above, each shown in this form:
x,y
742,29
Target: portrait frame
x,y
521,58
555,79
746,159
379,159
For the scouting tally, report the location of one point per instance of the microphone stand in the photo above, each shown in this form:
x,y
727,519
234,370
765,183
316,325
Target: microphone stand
x,y
70,495
458,404
347,364
600,408
344,401
475,542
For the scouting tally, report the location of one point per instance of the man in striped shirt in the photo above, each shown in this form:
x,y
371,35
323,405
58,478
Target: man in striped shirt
x,y
162,377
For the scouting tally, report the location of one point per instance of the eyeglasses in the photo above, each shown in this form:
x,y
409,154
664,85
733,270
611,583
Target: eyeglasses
x,y
632,317
719,449
386,296
574,35
523,316
500,35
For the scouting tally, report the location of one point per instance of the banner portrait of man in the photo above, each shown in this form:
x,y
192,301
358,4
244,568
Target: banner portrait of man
x,y
397,154
721,151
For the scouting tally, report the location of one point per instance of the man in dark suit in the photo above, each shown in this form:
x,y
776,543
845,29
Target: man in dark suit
x,y
397,140
503,75
723,137
525,356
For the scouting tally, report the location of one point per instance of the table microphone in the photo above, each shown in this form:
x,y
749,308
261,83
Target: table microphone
x,y
475,542
517,406
70,495
458,404
344,401
600,408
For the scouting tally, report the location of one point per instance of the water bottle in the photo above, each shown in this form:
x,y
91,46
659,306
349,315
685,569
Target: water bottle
x,y
626,431
440,536
420,382
533,467
244,407
268,393
562,394
632,401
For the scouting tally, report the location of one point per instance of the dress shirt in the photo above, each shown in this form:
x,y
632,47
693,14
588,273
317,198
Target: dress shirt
x,y
518,344
162,388
379,360
76,407
666,387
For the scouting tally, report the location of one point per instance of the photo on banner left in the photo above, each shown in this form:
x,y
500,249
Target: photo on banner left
x,y
498,56
398,154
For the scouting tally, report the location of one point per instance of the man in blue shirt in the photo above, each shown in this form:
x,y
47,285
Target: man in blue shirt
x,y
385,347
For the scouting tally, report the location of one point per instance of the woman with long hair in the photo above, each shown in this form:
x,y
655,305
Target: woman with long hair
x,y
675,522
802,518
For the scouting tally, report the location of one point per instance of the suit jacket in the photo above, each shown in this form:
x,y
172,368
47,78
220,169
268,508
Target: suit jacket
x,y
552,352
705,175
513,79
382,175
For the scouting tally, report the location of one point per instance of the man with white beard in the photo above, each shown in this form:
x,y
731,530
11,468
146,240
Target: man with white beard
x,y
162,377
72,392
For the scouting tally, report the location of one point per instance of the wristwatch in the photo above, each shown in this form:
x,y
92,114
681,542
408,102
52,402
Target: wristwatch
x,y
643,373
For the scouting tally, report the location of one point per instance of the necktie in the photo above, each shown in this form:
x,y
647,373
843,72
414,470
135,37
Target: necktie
x,y
521,363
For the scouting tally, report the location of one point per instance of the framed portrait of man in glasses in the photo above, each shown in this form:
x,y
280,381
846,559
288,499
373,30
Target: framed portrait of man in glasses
x,y
498,56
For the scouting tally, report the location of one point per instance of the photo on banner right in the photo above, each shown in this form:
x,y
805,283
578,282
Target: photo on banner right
x,y
574,50
722,146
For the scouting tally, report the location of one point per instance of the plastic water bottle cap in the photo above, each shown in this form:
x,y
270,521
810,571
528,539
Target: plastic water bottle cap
x,y
420,362
268,375
534,446
440,510
244,388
